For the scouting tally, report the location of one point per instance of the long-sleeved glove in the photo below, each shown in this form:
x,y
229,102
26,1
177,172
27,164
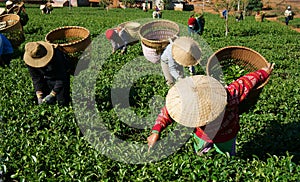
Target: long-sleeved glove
x,y
49,99
39,96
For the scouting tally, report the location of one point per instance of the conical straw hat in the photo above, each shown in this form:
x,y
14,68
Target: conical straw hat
x,y
186,51
196,101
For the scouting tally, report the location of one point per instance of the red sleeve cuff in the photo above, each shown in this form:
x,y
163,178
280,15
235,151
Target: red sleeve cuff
x,y
157,127
264,74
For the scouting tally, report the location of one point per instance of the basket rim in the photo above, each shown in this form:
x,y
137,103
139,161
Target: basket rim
x,y
241,48
68,27
157,41
138,25
10,15
237,47
7,27
11,10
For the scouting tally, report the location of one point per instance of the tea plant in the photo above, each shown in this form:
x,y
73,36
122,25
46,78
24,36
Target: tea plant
x,y
45,143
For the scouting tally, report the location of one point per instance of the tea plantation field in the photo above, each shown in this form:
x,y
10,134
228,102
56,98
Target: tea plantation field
x,y
49,143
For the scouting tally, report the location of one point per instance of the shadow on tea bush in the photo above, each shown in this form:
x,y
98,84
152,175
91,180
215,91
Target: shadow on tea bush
x,y
276,140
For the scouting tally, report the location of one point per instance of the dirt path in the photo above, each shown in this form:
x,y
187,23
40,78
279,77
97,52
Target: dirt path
x,y
275,19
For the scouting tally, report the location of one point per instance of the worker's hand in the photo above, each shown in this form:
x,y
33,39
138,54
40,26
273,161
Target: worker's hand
x,y
39,96
49,99
152,140
269,68
40,101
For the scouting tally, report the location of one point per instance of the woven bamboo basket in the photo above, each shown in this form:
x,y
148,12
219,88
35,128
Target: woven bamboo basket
x,y
156,34
247,59
133,30
13,29
70,39
259,18
151,54
12,23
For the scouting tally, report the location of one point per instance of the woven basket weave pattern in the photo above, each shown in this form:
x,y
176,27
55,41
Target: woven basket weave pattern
x,y
155,37
248,59
245,57
13,23
151,54
68,32
13,29
155,33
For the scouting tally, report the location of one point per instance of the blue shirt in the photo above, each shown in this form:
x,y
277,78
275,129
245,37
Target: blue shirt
x,y
5,45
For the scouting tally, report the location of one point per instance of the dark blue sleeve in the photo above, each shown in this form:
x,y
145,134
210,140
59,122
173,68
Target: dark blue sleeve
x,y
60,67
6,47
37,76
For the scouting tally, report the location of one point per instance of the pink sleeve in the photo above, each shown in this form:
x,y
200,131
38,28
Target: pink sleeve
x,y
162,120
243,85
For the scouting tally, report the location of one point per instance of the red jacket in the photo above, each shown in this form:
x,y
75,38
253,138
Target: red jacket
x,y
192,21
229,127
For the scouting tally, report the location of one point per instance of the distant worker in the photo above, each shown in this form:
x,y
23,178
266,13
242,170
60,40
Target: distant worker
x,y
156,13
200,24
192,24
19,9
288,15
46,8
119,39
239,16
225,14
9,4
145,9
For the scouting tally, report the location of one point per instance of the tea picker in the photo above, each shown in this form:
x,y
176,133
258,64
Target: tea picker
x,y
289,15
119,39
8,4
18,9
183,52
48,69
46,8
203,103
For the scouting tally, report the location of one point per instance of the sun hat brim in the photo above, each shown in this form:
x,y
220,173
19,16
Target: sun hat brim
x,y
186,51
196,101
39,62
8,3
2,10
